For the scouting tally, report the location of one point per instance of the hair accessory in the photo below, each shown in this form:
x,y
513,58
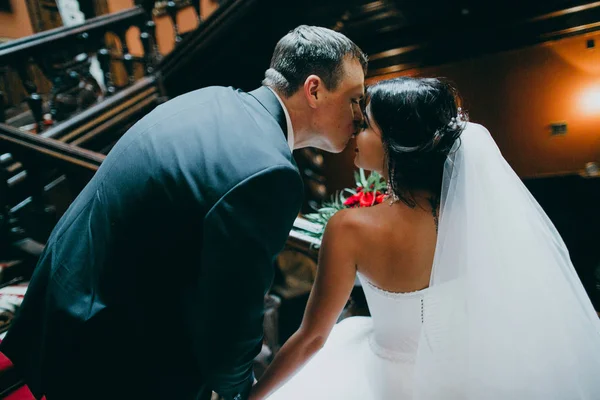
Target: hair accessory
x,y
437,136
456,122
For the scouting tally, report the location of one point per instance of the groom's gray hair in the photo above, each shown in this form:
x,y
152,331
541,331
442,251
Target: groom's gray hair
x,y
310,50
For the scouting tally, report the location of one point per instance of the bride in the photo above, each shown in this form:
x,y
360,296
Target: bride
x,y
471,290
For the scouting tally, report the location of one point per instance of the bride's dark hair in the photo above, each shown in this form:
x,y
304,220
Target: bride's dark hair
x,y
420,119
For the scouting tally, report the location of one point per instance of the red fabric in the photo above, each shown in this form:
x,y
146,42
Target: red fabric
x,y
17,290
21,393
4,363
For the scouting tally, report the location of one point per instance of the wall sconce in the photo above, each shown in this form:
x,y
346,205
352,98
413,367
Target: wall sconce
x,y
590,100
592,169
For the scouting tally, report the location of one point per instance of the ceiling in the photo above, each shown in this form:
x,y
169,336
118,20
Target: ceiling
x,y
396,34
402,34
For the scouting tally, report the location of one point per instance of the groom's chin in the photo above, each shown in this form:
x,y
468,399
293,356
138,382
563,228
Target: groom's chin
x,y
331,145
341,147
333,148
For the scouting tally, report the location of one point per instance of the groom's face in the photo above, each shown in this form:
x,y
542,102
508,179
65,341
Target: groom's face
x,y
339,115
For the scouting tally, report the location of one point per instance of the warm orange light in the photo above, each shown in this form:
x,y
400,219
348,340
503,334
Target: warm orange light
x,y
590,100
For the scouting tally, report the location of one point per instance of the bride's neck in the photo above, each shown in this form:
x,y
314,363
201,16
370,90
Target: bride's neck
x,y
423,198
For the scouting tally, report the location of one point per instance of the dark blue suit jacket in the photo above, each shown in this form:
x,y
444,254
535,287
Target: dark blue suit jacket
x,y
152,283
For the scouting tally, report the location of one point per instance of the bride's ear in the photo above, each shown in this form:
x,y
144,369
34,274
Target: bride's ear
x,y
313,87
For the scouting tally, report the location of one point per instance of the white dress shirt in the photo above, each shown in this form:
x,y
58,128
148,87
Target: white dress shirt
x,y
288,120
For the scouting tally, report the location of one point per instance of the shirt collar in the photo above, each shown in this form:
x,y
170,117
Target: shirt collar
x,y
288,120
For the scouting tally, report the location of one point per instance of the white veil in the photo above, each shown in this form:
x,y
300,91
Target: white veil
x,y
506,316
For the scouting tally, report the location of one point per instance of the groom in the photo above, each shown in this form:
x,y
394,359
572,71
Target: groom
x,y
152,283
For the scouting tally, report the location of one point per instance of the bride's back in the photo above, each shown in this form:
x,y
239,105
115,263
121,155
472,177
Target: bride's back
x,y
411,125
397,245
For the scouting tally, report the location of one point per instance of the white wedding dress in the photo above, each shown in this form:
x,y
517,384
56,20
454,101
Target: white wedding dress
x,y
369,357
505,315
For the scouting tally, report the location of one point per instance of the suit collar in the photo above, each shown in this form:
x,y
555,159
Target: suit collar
x,y
268,100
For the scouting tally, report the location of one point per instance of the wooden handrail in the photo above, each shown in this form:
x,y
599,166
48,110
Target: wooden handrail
x,y
57,37
100,108
16,141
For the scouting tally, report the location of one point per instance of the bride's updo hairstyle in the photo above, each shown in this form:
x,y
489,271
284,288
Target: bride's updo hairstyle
x,y
420,119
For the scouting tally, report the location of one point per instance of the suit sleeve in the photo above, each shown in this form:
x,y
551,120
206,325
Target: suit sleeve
x,y
243,233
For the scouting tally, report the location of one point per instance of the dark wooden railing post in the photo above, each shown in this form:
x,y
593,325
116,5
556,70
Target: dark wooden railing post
x,y
34,100
148,6
57,83
147,45
128,64
64,56
105,58
2,96
127,58
172,10
50,66
4,212
148,33
45,215
2,114
150,27
196,5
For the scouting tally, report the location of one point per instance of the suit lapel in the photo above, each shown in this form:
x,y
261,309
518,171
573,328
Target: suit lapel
x,y
268,100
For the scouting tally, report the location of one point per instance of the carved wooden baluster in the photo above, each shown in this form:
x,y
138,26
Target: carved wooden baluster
x,y
56,80
150,27
172,11
196,5
127,57
88,88
128,63
84,45
2,114
2,110
122,34
34,100
105,59
44,214
91,86
55,75
4,191
146,40
148,35
4,211
148,6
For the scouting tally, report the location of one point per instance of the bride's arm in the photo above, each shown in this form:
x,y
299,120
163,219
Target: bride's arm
x,y
334,282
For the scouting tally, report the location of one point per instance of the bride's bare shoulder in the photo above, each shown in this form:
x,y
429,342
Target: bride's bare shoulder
x,y
364,221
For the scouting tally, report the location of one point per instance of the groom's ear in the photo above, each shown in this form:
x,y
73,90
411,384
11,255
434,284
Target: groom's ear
x,y
313,90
